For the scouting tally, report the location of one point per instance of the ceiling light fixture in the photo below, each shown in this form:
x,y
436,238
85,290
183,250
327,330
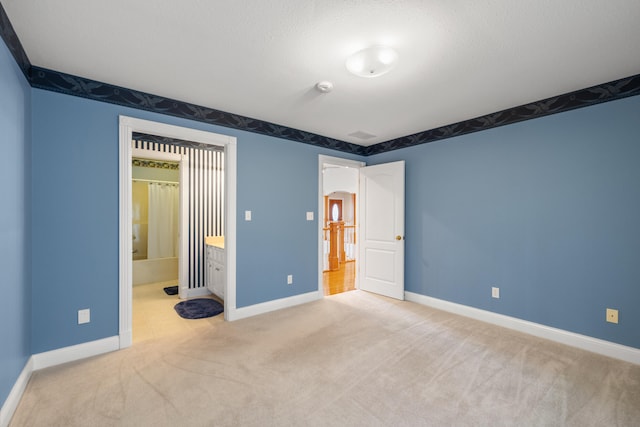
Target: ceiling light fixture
x,y
373,61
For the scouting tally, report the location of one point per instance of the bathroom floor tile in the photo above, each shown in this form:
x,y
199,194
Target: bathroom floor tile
x,y
153,315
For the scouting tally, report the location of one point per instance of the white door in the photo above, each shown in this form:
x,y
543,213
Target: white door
x,y
382,229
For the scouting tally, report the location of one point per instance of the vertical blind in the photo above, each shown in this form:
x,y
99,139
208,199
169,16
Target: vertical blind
x,y
205,198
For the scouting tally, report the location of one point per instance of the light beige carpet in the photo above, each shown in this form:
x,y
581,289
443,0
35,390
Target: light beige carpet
x,y
353,359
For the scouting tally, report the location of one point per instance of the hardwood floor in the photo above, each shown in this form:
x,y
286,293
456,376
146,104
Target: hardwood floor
x,y
335,282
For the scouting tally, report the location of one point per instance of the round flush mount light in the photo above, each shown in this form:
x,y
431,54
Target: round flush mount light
x,y
373,61
324,86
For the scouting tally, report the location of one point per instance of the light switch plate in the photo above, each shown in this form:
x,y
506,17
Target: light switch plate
x,y
309,216
247,215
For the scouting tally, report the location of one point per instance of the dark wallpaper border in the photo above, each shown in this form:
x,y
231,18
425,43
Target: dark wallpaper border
x,y
78,86
616,89
13,43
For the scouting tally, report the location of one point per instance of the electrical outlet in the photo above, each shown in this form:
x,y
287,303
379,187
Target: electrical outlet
x,y
495,292
612,315
290,279
84,316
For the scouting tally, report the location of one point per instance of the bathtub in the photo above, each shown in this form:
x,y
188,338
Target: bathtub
x,y
155,270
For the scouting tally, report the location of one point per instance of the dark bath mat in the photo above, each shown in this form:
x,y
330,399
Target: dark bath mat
x,y
198,308
171,290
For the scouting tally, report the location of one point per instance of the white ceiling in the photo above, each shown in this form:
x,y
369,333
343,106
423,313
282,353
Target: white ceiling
x,y
458,59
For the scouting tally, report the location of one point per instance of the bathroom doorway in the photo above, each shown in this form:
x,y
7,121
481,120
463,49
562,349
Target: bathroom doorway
x,y
226,144
159,223
159,196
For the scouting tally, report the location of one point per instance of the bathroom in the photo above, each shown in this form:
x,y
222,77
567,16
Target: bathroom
x,y
188,180
201,173
155,220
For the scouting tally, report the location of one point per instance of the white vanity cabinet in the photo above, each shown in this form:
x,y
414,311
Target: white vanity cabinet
x,y
214,275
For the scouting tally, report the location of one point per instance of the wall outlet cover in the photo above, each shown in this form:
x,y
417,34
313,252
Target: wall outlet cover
x,y
84,316
612,315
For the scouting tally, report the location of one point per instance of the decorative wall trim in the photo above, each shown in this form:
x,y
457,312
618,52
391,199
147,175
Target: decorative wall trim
x,y
13,43
75,352
56,81
594,345
11,403
78,86
155,164
278,304
611,91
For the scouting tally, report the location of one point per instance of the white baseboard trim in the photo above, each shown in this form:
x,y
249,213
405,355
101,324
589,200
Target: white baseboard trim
x,y
125,339
265,307
75,352
584,342
198,292
9,406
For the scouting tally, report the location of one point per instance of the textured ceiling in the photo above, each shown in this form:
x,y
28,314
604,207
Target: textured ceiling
x,y
459,59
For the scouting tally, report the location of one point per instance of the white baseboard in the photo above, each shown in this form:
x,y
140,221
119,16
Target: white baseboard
x,y
52,358
126,339
9,406
265,307
75,352
595,345
106,345
198,292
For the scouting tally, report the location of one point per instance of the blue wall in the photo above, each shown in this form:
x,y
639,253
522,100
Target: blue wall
x,y
75,220
544,209
278,183
548,210
15,281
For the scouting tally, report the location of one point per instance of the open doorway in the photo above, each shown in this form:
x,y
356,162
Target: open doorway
x,y
187,287
339,237
159,223
338,218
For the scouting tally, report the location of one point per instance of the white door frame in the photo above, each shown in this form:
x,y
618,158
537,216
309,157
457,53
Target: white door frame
x,y
128,125
322,160
183,233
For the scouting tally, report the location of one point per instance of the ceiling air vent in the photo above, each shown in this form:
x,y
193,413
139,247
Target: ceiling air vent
x,y
362,135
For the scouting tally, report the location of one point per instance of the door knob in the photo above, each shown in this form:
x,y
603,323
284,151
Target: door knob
x,y
398,237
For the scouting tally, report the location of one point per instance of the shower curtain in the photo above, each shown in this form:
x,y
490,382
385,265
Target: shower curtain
x,y
163,220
